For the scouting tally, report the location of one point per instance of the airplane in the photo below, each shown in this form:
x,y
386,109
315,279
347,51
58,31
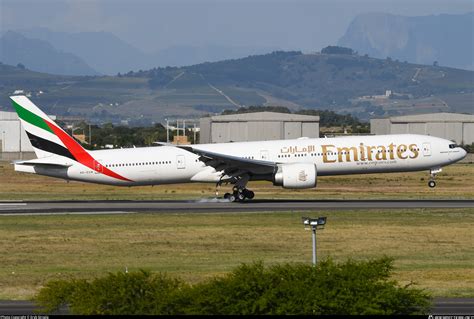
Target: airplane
x,y
292,164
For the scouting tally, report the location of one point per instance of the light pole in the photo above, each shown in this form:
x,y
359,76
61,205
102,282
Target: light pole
x,y
184,127
314,223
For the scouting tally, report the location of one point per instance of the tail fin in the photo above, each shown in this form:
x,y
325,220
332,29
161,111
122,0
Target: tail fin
x,y
49,139
46,137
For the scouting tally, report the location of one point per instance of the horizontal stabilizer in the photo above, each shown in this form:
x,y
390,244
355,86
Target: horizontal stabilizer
x,y
41,163
163,144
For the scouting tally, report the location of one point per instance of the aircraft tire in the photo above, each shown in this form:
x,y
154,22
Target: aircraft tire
x,y
249,194
432,184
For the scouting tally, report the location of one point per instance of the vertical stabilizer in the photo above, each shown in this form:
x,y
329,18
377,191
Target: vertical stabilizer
x,y
46,137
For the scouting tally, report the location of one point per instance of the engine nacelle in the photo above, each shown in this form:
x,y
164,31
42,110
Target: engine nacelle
x,y
298,175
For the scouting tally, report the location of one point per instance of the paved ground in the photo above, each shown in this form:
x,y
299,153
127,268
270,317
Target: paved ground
x,y
454,306
217,205
22,307
441,306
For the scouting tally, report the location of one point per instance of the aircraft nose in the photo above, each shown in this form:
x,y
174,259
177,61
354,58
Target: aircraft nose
x,y
462,154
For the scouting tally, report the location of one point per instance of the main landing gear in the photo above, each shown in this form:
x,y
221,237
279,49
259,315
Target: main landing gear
x,y
433,172
240,193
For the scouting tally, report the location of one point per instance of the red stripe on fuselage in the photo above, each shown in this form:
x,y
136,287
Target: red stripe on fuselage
x,y
81,155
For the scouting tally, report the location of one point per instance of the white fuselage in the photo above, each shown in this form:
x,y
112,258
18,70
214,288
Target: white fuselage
x,y
332,156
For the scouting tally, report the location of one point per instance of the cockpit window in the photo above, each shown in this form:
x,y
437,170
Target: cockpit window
x,y
453,145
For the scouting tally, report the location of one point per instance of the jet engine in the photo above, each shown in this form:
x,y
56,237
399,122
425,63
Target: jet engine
x,y
297,175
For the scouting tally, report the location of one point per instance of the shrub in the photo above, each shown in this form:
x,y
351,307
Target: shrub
x,y
330,288
353,287
120,293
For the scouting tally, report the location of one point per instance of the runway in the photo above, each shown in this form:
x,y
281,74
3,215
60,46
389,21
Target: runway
x,y
214,205
441,306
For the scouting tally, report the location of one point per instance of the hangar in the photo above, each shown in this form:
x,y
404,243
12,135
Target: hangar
x,y
13,138
259,126
14,143
451,126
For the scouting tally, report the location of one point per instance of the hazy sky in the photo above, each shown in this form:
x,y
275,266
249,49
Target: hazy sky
x,y
154,25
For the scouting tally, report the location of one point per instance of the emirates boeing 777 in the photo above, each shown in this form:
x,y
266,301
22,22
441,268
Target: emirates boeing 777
x,y
291,164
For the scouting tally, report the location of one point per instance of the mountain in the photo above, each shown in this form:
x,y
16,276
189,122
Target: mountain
x,y
181,55
40,56
345,83
109,54
445,38
104,51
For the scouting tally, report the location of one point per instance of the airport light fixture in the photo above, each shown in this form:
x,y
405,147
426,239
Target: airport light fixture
x,y
314,224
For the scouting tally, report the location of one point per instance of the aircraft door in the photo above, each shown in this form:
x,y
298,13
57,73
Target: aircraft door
x,y
264,155
180,161
98,166
426,149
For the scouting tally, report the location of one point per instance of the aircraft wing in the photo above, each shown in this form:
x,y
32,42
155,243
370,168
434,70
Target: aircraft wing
x,y
232,165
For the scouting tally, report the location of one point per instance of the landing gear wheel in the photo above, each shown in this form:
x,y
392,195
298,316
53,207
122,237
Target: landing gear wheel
x,y
432,184
248,194
238,196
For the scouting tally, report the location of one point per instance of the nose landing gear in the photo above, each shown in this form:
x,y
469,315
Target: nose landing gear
x,y
433,172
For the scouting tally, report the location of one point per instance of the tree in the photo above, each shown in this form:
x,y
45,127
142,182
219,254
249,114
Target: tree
x,y
337,50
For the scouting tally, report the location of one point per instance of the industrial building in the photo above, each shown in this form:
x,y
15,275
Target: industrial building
x,y
14,143
451,126
13,138
260,126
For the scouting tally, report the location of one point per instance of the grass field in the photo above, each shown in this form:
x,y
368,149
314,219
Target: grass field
x,y
433,248
455,182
